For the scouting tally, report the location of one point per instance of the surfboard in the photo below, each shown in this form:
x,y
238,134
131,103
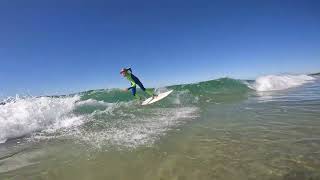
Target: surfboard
x,y
157,98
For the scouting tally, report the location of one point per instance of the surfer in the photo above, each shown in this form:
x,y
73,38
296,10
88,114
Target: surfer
x,y
127,73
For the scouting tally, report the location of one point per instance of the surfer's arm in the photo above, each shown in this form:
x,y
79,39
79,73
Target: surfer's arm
x,y
133,85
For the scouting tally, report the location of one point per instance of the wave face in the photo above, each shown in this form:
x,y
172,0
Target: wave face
x,y
280,82
104,117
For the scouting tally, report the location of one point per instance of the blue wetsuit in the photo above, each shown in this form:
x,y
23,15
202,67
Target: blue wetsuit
x,y
137,82
134,82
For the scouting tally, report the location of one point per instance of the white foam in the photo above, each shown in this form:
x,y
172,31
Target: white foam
x,y
92,102
280,82
23,116
122,124
128,129
183,97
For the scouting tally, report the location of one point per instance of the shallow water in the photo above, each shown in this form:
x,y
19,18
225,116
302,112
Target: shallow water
x,y
258,135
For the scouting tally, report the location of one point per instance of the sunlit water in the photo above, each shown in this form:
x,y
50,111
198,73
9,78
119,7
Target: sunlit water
x,y
265,135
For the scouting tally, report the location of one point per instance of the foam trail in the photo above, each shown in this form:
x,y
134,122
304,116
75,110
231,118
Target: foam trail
x,y
280,82
24,116
128,129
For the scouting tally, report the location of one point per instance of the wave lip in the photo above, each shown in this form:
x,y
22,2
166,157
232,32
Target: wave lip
x,y
280,82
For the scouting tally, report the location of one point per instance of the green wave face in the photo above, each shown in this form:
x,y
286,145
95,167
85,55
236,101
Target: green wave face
x,y
224,89
220,90
207,130
113,95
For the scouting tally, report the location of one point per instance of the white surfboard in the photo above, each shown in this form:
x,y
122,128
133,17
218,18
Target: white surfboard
x,y
157,98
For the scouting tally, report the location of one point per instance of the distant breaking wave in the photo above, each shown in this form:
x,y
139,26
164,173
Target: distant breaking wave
x,y
280,82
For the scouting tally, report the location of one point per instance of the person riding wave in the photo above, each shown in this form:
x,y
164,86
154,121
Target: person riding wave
x,y
127,73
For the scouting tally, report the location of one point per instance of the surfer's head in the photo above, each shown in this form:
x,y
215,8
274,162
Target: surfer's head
x,y
123,72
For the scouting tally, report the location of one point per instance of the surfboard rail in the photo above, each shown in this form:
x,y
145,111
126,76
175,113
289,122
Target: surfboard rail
x,y
160,96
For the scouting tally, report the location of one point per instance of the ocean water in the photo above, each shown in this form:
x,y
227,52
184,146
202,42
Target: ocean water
x,y
224,129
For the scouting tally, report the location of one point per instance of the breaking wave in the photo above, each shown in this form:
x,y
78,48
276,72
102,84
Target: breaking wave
x,y
280,82
101,117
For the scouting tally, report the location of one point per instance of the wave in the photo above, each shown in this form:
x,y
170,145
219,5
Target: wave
x,y
213,90
114,116
22,116
280,82
45,117
90,121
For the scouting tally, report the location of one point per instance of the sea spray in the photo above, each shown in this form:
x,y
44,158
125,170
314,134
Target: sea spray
x,y
23,116
202,130
280,82
104,111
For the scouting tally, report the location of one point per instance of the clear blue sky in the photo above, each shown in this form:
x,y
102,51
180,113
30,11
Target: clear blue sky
x,y
60,46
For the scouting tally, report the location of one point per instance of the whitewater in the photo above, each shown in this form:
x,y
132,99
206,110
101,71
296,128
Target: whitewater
x,y
270,124
23,116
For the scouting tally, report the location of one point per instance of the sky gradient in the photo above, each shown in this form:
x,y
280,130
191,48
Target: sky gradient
x,y
62,46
